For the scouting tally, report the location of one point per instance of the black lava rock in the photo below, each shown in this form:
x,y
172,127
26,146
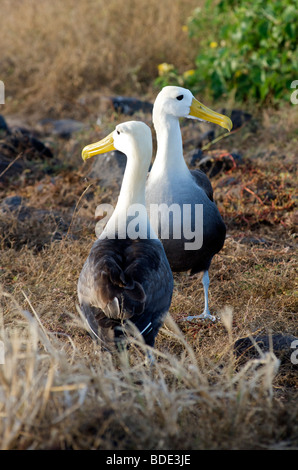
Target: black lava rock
x,y
282,346
214,164
62,127
109,168
129,106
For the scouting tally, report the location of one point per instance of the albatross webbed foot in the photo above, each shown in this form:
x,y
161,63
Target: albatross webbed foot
x,y
203,316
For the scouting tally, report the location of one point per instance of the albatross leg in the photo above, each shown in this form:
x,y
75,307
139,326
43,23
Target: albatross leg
x,y
206,313
205,282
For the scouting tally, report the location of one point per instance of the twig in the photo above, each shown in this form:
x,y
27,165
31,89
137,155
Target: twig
x,y
36,316
11,163
75,209
207,146
254,194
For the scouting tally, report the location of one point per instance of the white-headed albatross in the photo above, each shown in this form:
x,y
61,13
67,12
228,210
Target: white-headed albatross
x,y
126,275
170,182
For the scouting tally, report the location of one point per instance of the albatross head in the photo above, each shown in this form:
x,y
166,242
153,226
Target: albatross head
x,y
179,102
133,138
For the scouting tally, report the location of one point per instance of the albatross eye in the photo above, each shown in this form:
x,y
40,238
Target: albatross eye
x,y
118,132
180,97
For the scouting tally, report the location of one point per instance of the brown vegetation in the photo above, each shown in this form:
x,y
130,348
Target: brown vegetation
x,y
59,52
57,390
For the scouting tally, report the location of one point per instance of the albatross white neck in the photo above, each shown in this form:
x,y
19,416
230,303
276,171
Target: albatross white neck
x,y
132,192
169,156
133,183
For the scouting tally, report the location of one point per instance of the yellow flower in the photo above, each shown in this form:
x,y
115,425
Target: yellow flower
x,y
185,28
188,73
213,44
164,68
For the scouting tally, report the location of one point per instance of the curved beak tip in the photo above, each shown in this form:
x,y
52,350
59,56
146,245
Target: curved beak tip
x,y
229,126
84,154
200,111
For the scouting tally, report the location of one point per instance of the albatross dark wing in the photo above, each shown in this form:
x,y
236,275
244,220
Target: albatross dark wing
x,y
203,181
121,280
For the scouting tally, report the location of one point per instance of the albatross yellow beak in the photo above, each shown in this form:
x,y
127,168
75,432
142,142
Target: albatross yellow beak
x,y
200,111
103,146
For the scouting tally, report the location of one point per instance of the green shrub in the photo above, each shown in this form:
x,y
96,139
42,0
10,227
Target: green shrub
x,y
245,47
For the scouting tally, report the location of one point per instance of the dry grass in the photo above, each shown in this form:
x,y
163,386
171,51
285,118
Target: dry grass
x,y
59,52
59,392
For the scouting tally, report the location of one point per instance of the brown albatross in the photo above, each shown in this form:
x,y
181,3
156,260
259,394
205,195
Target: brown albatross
x,y
126,277
170,182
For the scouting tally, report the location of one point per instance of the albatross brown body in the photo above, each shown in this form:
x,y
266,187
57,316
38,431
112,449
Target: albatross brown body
x,y
170,182
126,279
199,191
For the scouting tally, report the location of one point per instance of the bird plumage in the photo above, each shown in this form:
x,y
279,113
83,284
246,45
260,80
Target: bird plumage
x,y
171,182
126,279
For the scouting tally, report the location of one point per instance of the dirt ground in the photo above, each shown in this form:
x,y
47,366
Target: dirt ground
x,y
47,206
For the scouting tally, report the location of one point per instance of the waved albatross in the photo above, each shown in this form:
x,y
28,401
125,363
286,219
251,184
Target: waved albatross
x,y
189,242
126,275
